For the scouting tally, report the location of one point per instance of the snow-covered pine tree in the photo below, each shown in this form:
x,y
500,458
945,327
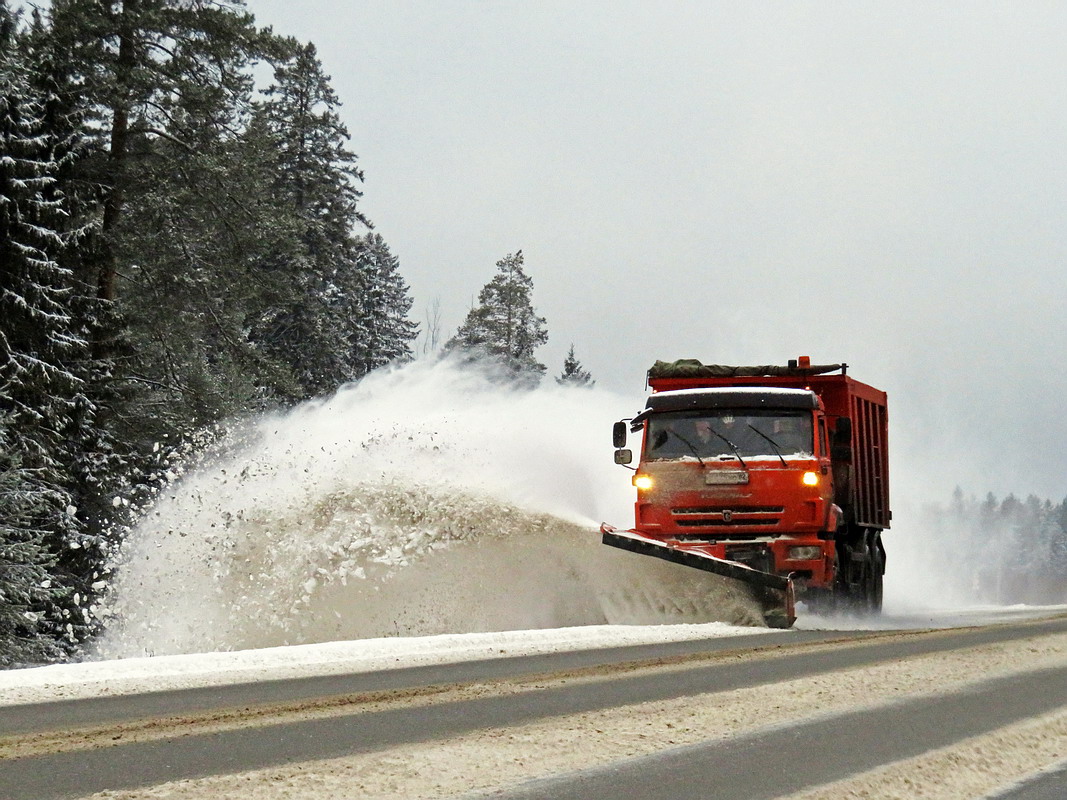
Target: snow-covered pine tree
x,y
146,97
315,190
153,69
193,251
381,332
504,324
92,457
28,592
181,211
154,82
39,340
573,374
315,170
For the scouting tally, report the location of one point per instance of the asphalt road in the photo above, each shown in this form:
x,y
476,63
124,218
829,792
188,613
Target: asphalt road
x,y
1049,785
769,764
114,743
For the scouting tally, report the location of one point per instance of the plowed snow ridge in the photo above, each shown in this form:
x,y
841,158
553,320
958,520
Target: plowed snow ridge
x,y
422,501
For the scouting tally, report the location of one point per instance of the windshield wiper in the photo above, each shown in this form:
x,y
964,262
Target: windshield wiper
x,y
730,444
777,450
687,443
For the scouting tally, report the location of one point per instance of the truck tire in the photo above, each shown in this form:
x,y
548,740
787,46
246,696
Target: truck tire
x,y
860,593
872,584
876,574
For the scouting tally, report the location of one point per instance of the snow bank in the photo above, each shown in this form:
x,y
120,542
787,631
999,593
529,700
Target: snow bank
x,y
134,675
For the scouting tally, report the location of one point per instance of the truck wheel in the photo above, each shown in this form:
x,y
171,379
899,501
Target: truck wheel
x,y
867,595
871,598
863,595
843,595
875,570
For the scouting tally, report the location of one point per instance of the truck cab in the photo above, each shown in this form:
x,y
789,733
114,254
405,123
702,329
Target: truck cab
x,y
740,474
762,467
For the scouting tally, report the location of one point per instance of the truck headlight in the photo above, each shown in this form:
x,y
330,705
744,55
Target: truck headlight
x,y
811,479
805,552
643,482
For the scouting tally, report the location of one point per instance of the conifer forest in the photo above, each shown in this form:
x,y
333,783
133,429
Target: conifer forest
x,y
180,244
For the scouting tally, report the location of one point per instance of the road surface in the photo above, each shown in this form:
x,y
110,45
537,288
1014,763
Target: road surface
x,y
813,714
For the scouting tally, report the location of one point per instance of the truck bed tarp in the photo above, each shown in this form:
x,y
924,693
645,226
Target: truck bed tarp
x,y
691,368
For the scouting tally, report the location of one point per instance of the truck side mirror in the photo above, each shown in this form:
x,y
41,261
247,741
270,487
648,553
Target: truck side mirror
x,y
623,456
618,436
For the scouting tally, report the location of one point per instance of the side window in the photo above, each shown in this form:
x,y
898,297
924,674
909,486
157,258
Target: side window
x,y
823,444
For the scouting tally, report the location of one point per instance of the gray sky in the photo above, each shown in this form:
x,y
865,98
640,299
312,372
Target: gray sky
x,y
882,183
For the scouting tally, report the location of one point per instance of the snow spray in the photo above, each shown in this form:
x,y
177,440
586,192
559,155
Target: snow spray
x,y
421,500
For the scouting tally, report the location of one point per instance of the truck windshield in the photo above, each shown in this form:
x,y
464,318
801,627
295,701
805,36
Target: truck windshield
x,y
730,432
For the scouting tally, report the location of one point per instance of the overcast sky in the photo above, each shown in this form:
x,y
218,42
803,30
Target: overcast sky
x,y
882,183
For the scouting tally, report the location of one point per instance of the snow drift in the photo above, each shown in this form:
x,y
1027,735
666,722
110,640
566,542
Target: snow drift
x,y
423,500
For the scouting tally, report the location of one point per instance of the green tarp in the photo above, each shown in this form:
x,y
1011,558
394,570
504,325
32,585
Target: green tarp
x,y
691,368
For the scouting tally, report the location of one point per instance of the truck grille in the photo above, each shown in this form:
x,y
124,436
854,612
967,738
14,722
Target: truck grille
x,y
727,517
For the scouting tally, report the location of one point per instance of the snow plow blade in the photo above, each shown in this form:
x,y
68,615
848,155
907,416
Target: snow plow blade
x,y
775,592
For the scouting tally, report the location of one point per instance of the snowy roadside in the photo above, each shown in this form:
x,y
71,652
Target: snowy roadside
x,y
136,675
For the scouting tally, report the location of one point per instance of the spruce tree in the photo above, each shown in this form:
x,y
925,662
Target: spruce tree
x,y
315,181
92,457
194,241
171,253
378,308
143,102
314,170
39,340
573,374
28,593
504,324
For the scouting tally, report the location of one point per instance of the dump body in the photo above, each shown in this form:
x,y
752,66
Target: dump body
x,y
783,470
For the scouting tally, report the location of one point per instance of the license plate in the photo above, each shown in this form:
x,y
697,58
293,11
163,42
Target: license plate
x,y
725,477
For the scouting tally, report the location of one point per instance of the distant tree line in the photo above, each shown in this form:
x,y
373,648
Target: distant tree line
x,y
1000,551
176,247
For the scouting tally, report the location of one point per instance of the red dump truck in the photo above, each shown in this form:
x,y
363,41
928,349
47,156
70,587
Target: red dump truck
x,y
776,476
